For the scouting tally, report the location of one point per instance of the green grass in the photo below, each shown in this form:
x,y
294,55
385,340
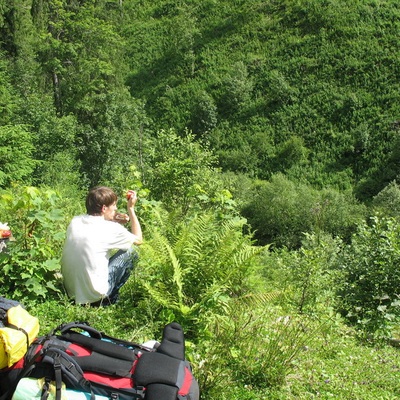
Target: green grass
x,y
345,369
332,365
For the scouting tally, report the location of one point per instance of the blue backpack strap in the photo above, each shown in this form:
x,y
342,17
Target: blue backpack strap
x,y
65,365
58,376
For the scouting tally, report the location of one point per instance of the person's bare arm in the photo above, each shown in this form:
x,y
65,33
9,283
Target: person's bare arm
x,y
136,229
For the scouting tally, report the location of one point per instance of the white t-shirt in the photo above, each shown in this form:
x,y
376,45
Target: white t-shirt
x,y
84,263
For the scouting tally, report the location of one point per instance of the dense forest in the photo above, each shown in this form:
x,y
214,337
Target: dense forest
x,y
308,89
264,140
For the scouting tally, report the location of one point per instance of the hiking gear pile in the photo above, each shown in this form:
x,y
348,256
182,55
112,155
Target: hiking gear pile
x,y
77,362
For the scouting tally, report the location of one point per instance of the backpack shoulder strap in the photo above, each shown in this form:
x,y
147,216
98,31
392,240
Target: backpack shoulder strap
x,y
65,367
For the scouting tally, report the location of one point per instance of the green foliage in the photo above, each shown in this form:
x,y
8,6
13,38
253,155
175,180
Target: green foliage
x,y
387,201
307,68
304,88
181,171
369,294
80,54
7,99
188,269
281,211
275,87
60,173
244,340
252,345
334,366
31,262
307,276
15,154
329,364
204,115
237,88
291,153
113,135
264,352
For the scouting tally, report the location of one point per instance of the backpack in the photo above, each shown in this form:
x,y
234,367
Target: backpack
x,y
75,358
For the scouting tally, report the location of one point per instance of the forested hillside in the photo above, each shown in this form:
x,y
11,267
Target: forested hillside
x,y
307,88
263,138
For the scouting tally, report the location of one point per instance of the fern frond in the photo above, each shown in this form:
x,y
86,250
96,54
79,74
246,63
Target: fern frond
x,y
260,300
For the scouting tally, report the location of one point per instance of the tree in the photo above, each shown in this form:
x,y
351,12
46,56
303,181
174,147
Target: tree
x,y
80,52
180,171
8,99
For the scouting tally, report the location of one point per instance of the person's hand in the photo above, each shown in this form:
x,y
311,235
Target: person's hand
x,y
121,218
131,196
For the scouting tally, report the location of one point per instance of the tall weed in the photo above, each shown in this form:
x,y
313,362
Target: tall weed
x,y
30,265
252,346
307,276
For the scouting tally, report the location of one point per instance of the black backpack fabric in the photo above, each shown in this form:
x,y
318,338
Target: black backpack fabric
x,y
90,361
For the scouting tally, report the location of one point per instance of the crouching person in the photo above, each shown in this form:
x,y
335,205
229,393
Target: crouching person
x,y
98,254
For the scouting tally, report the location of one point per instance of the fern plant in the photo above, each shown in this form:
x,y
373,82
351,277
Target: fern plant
x,y
188,270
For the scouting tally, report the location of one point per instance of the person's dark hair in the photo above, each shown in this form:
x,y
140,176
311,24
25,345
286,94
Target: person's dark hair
x,y
98,197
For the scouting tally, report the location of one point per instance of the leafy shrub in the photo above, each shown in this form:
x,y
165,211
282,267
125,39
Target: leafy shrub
x,y
187,269
306,276
31,262
387,200
281,211
237,87
370,293
180,170
291,152
204,115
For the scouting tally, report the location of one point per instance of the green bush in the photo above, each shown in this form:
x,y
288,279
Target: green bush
x,y
307,276
16,157
204,114
387,201
181,171
281,211
370,292
253,345
29,266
